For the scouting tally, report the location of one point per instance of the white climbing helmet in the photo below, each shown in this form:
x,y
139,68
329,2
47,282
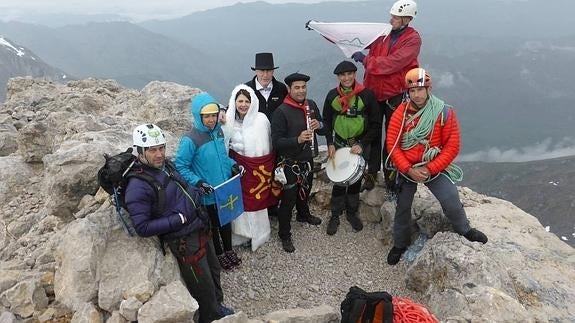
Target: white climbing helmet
x,y
148,135
404,8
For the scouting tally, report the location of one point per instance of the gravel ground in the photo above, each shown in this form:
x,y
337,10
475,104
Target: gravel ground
x,y
320,271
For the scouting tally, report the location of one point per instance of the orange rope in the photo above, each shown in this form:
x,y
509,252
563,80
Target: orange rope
x,y
406,311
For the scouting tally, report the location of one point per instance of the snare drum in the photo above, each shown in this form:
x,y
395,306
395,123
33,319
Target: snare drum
x,y
348,168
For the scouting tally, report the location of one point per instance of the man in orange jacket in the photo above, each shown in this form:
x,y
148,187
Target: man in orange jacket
x,y
423,140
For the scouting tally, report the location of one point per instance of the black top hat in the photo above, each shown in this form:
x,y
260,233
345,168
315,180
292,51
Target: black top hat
x,y
344,66
264,61
295,77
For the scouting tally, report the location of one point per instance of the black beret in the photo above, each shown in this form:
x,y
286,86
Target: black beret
x,y
295,77
344,66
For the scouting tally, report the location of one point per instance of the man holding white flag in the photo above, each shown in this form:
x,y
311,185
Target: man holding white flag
x,y
386,64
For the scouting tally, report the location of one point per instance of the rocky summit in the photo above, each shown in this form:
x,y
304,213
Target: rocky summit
x,y
65,258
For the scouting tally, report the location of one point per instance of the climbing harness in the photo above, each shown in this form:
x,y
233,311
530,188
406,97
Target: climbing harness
x,y
420,134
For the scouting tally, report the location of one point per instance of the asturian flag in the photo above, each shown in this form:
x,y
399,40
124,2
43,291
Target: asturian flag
x,y
229,200
350,37
256,182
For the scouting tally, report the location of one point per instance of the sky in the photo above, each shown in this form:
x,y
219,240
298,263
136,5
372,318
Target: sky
x,y
135,9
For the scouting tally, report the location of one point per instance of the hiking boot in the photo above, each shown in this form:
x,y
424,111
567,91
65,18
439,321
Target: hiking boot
x,y
287,244
313,220
475,235
355,222
368,182
394,255
225,262
224,311
332,225
233,258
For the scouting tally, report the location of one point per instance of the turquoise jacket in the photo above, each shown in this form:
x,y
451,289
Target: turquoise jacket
x,y
201,155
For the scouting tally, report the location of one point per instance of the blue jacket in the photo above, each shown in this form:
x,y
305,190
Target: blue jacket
x,y
141,200
202,154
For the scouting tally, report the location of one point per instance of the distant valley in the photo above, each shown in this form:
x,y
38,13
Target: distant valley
x,y
544,188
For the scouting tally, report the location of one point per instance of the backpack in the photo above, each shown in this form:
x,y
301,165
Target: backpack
x,y
113,177
360,306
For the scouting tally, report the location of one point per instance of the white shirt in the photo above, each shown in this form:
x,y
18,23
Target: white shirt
x,y
264,91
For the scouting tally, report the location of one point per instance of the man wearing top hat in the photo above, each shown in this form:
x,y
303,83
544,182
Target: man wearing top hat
x,y
293,128
269,91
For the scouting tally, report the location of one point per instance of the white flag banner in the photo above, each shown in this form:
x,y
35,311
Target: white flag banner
x,y
350,37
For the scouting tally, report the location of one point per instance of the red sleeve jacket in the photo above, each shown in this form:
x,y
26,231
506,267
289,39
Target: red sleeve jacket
x,y
445,136
386,64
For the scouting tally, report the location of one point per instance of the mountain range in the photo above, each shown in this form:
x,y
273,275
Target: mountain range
x,y
505,76
17,60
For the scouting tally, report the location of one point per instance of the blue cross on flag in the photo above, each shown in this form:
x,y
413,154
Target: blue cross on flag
x,y
229,200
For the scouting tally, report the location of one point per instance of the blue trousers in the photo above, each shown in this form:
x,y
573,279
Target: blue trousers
x,y
444,190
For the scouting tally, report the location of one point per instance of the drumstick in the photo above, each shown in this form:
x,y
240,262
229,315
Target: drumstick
x,y
333,161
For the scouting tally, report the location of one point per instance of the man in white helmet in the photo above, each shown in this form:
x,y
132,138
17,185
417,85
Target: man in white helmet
x,y
388,60
173,213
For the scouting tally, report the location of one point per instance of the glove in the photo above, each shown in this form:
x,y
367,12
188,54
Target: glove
x,y
204,187
358,57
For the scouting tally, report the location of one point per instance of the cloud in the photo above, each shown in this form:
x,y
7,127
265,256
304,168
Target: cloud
x,y
443,80
542,150
135,9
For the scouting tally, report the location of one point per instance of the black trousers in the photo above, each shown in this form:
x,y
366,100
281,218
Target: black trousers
x,y
377,150
223,232
447,195
297,195
202,278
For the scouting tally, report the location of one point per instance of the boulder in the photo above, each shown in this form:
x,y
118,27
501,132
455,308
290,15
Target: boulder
x,y
15,177
171,304
320,314
511,278
77,258
8,138
25,298
88,313
127,263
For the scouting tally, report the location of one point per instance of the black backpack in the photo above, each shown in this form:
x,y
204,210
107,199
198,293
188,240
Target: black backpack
x,y
113,178
360,306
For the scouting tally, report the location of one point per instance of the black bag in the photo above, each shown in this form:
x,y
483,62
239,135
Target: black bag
x,y
360,306
113,178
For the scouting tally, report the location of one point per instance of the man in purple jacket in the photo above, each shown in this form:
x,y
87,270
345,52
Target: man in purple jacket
x,y
179,221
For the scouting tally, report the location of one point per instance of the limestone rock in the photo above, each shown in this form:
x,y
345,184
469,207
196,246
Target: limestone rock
x,y
7,317
70,174
34,142
240,317
171,304
323,314
9,278
25,298
141,292
129,308
116,318
126,263
77,257
88,313
510,277
8,139
15,176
